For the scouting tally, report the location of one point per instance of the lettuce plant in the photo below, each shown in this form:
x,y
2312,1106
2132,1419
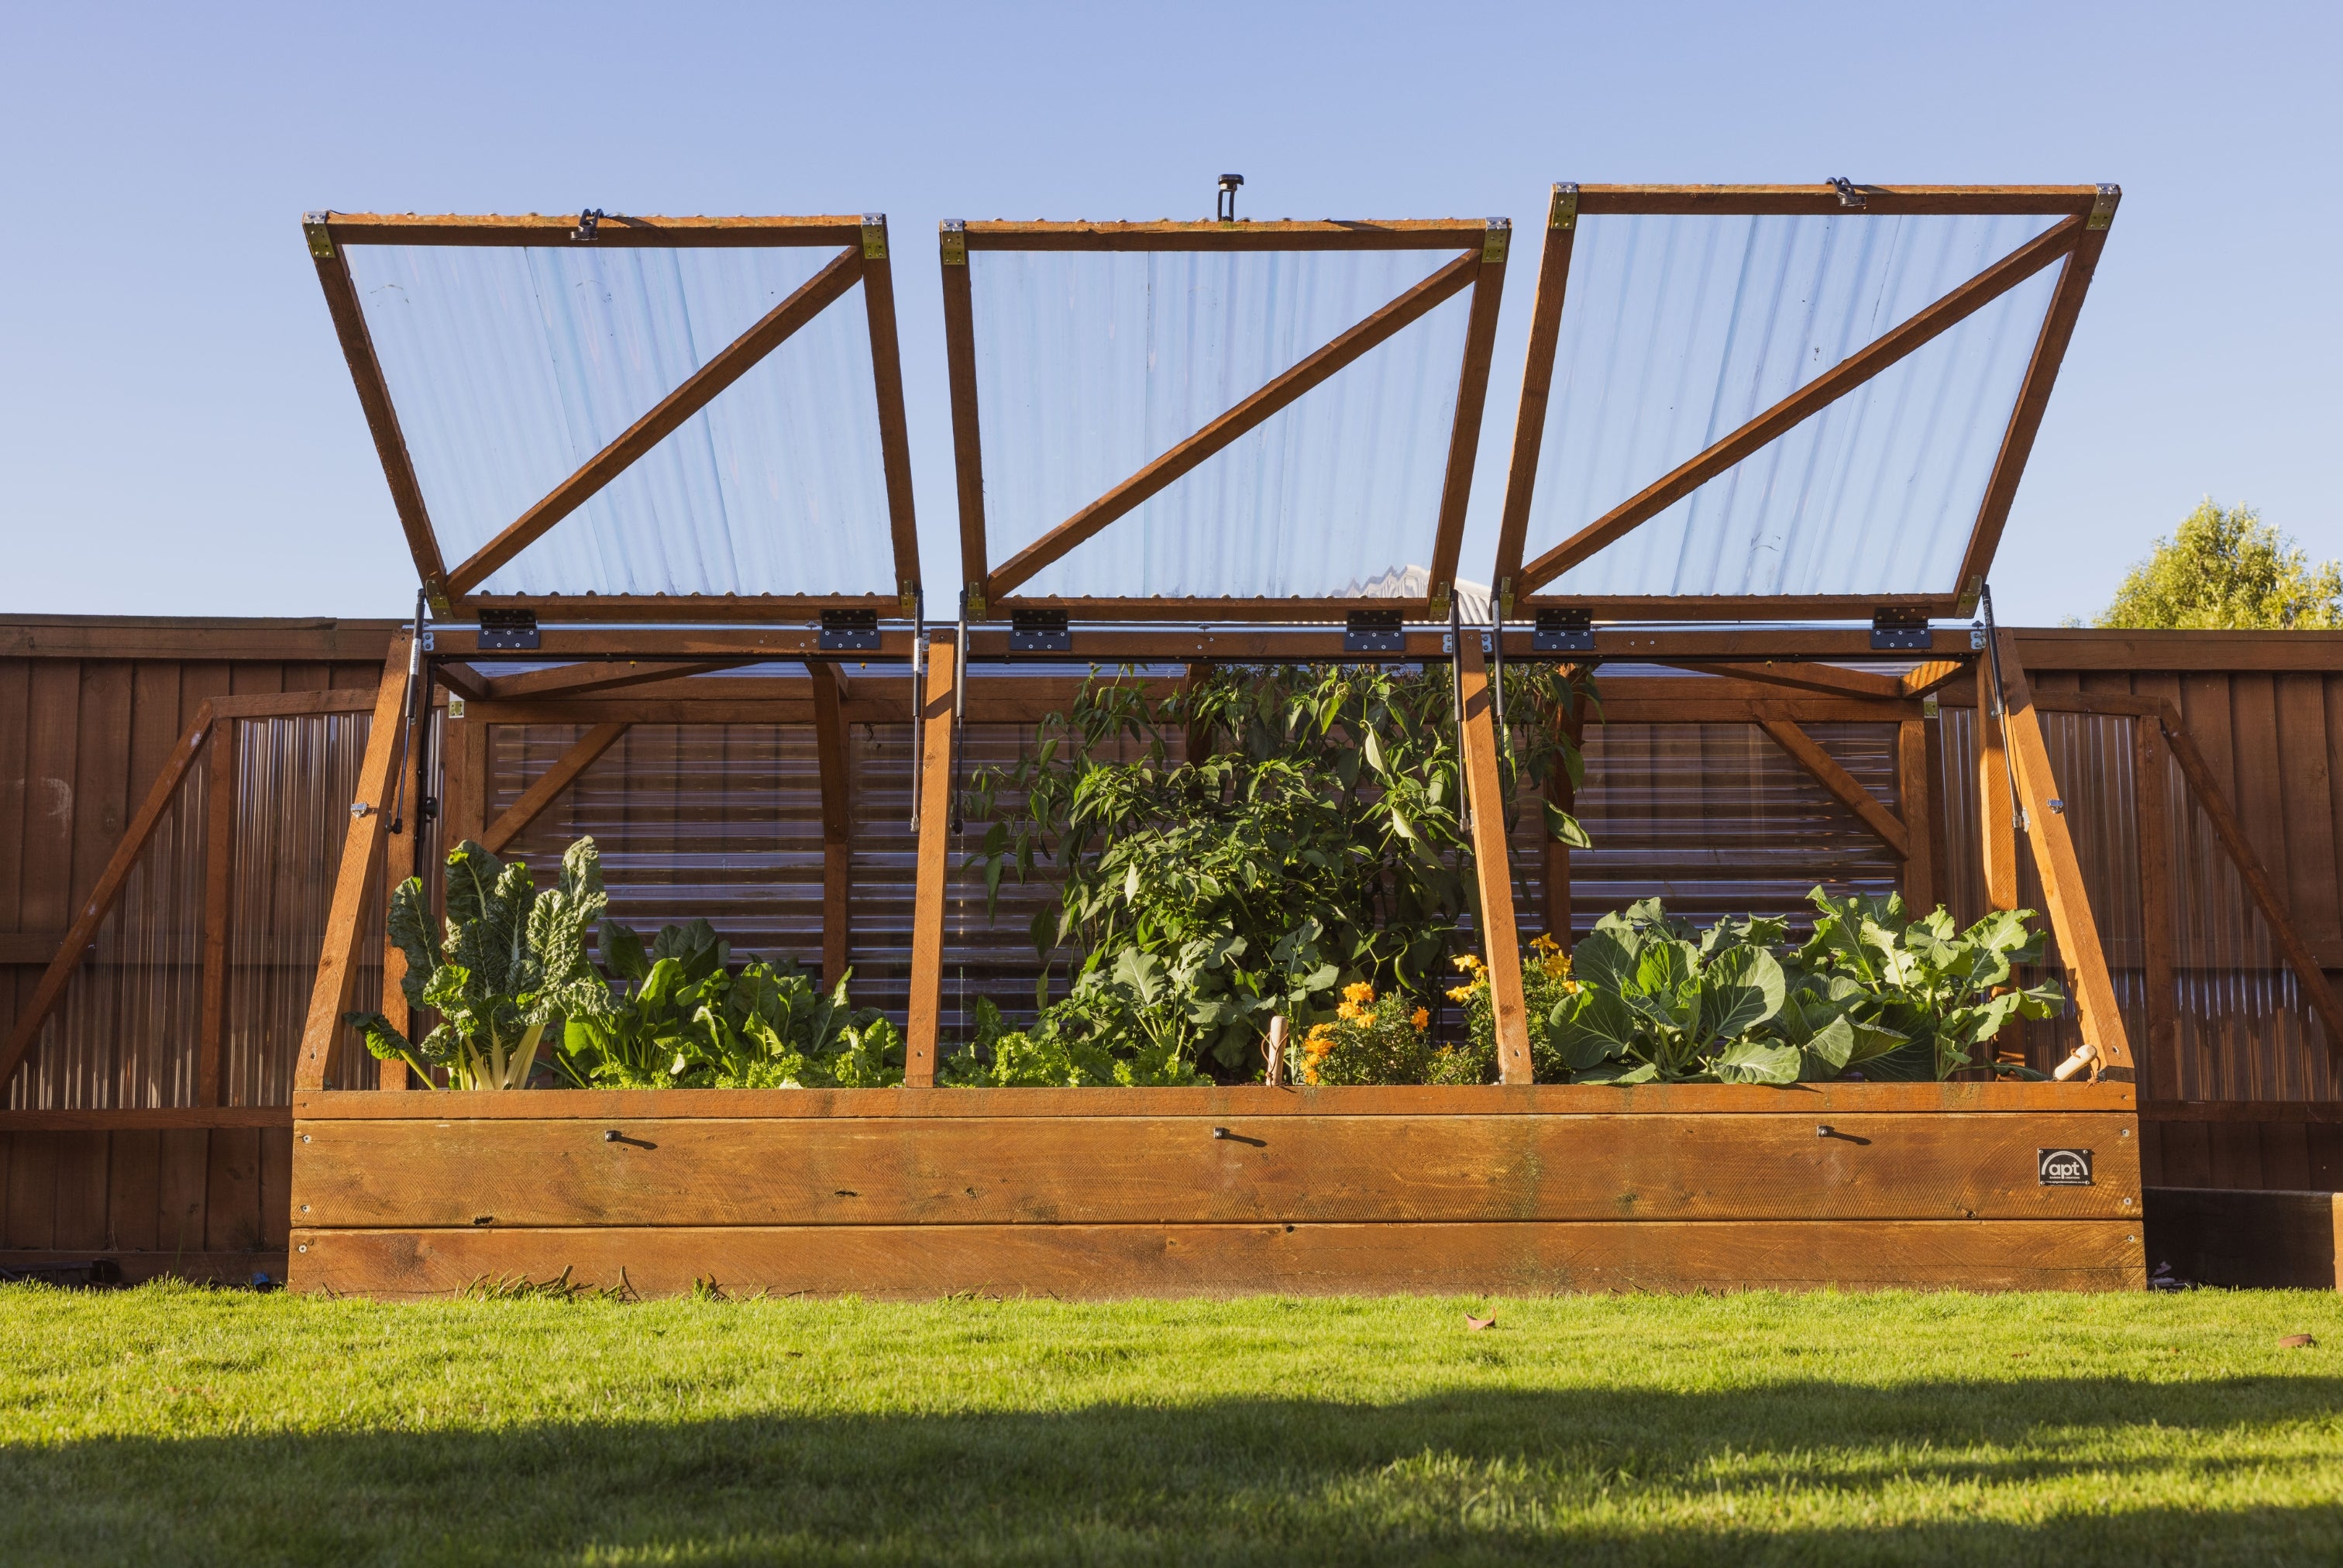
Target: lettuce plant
x,y
510,965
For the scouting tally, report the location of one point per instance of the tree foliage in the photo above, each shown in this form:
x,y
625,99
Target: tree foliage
x,y
2224,568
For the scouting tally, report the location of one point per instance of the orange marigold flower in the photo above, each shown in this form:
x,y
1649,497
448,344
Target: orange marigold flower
x,y
1422,1019
1362,993
1353,1012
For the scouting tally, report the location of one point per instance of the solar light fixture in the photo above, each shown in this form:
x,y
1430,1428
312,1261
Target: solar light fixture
x,y
1225,206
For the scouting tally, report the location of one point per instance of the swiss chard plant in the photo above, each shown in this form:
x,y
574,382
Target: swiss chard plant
x,y
684,1016
510,965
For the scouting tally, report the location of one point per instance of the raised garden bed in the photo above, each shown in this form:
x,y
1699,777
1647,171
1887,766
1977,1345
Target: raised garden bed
x,y
1170,1192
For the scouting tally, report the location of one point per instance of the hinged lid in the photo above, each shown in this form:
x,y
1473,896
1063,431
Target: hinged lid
x,y
1786,402
612,417
1233,419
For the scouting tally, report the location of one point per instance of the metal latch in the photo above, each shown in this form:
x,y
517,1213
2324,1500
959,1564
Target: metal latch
x,y
1899,631
874,236
850,631
1374,631
1493,242
1849,197
1039,631
1224,205
320,238
1564,212
1563,630
507,631
583,233
2103,206
952,235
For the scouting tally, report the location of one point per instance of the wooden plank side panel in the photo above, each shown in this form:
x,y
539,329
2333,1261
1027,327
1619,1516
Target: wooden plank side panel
x,y
232,1191
182,1180
82,1159
133,1189
1110,1261
1133,1170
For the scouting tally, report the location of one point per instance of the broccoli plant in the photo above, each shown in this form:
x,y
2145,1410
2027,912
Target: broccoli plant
x,y
511,965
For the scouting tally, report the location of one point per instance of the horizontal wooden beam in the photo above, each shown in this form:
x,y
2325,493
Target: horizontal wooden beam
x,y
1806,677
147,1118
291,639
610,675
1405,233
621,230
1671,608
1820,200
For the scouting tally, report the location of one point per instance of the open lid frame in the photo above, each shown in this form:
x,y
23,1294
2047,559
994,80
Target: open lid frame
x,y
862,257
991,588
2078,219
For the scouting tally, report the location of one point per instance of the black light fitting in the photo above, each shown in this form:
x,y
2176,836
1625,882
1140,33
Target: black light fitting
x,y
1225,206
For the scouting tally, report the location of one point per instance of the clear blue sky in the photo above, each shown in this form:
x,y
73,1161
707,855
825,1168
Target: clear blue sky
x,y
179,435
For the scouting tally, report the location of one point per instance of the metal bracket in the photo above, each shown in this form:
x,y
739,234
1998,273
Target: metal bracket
x,y
1374,631
1564,212
1564,630
1493,243
874,236
583,233
320,238
909,597
1899,631
1224,205
952,234
972,601
849,631
1439,604
2103,206
507,632
1039,631
1849,197
1970,591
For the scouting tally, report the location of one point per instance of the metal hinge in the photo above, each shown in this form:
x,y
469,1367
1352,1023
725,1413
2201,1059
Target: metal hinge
x,y
849,631
874,236
1494,243
1849,196
909,597
1039,631
320,238
972,601
952,235
583,233
1970,592
507,631
1564,212
1564,630
1504,598
1374,631
1899,631
1439,605
2103,206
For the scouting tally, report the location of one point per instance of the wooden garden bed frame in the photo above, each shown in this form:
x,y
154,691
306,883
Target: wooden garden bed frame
x,y
1516,1186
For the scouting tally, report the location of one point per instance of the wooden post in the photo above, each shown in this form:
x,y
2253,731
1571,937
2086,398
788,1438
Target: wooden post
x,y
1997,811
1570,723
1913,784
837,818
2061,873
934,865
397,864
2150,810
1491,866
219,892
362,851
465,813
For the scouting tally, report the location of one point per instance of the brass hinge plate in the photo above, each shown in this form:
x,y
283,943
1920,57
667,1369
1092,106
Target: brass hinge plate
x,y
874,236
320,238
952,234
1563,213
1493,243
2103,206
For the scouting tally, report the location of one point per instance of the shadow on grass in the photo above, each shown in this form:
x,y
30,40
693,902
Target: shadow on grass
x,y
1468,1475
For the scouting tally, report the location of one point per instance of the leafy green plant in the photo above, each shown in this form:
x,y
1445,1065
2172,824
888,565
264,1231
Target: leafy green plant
x,y
1948,992
510,965
685,1017
1316,835
1545,982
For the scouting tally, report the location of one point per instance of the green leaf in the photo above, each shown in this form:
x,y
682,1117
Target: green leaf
x,y
1757,1061
1563,828
1591,1026
1741,988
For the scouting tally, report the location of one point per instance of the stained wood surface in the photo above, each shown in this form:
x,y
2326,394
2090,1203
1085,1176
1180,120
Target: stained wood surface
x,y
1491,868
1123,1169
1108,1261
935,782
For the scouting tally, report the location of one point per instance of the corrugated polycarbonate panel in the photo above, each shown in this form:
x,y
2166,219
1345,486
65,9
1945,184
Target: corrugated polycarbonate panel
x,y
1092,365
509,367
1678,330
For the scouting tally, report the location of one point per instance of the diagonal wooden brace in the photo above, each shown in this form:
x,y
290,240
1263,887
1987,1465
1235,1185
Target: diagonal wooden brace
x,y
1491,866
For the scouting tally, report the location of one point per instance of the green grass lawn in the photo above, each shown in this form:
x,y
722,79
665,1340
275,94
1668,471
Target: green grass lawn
x,y
173,1425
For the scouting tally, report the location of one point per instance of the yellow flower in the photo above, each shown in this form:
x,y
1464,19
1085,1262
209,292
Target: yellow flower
x,y
1467,963
1543,943
1422,1019
1361,993
1461,992
1353,1012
